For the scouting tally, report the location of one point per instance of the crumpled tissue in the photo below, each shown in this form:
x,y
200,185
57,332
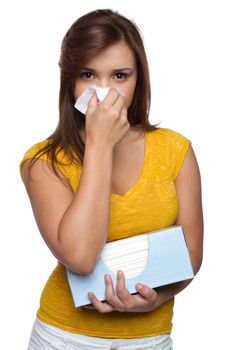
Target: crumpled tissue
x,y
82,101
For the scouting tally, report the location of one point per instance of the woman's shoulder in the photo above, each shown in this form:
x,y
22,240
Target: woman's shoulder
x,y
36,148
47,151
170,138
169,134
170,147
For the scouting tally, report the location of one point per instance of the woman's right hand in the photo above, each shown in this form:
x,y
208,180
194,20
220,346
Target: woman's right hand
x,y
106,122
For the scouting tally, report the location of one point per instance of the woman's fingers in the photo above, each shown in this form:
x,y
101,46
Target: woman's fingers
x,y
112,300
111,296
121,300
121,290
146,292
111,98
92,104
102,307
120,103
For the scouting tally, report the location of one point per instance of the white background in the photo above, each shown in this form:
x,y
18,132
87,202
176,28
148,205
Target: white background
x,y
189,47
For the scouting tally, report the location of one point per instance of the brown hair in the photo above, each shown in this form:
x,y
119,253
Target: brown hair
x,y
87,37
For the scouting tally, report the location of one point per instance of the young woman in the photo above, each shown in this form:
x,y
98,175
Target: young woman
x,y
103,176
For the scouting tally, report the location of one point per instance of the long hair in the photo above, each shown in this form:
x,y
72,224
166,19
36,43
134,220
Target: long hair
x,y
86,38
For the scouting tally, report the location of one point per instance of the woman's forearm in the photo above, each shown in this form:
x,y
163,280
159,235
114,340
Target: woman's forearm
x,y
169,291
84,227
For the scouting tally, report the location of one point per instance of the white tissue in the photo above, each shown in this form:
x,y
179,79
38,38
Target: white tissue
x,y
129,255
82,102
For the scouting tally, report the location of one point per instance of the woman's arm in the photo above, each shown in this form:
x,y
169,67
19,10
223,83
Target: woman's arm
x,y
190,217
74,225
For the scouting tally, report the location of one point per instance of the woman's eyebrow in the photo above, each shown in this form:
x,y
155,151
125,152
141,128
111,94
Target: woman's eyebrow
x,y
114,70
87,68
123,69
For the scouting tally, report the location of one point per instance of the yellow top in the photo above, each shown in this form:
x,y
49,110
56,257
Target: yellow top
x,y
151,204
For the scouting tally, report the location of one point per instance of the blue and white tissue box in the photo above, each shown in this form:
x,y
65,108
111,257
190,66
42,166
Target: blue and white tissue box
x,y
155,259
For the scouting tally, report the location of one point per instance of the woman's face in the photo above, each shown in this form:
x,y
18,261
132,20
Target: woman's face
x,y
113,67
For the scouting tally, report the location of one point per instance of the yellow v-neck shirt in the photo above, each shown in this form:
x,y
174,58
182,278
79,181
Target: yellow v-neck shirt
x,y
151,204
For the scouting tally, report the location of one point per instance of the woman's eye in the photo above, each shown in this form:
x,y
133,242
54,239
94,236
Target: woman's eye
x,y
87,75
120,76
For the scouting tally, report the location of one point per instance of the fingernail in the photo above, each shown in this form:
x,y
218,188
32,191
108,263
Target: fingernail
x,y
119,273
107,277
139,286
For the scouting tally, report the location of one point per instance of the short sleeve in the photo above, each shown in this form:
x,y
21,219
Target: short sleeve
x,y
37,151
71,170
178,148
32,152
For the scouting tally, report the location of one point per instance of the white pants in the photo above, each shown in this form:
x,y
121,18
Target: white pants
x,y
47,337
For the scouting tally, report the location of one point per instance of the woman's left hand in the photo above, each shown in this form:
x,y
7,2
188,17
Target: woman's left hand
x,y
121,300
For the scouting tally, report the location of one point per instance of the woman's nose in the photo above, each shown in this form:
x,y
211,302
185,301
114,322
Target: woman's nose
x,y
105,82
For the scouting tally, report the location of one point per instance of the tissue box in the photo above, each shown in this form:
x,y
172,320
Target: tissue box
x,y
155,259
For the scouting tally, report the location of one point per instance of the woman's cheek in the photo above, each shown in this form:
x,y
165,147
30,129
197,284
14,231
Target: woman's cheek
x,y
128,100
79,88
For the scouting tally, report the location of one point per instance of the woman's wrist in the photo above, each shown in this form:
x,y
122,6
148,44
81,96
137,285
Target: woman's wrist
x,y
167,292
159,299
